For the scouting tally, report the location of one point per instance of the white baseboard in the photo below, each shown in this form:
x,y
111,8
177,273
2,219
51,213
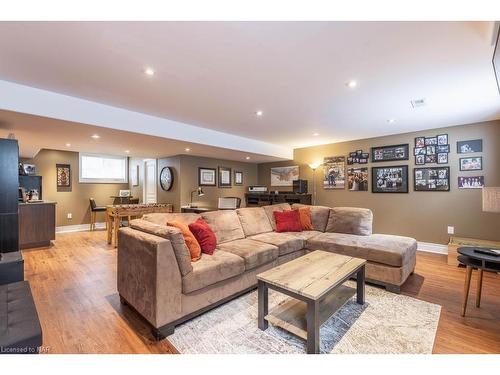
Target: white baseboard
x,y
78,228
430,247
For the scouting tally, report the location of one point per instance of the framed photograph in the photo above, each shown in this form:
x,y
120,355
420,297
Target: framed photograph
x,y
419,142
390,153
471,164
430,150
419,151
442,148
29,169
350,160
442,139
284,176
430,158
352,154
430,141
224,177
468,147
432,179
357,179
390,179
365,155
334,172
63,175
472,182
238,178
359,153
442,158
207,176
420,159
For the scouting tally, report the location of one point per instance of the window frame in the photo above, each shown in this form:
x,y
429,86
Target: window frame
x,y
83,180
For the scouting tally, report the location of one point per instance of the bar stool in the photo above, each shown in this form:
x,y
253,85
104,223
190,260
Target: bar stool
x,y
94,209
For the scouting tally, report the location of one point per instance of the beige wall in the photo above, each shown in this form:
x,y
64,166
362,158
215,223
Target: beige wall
x,y
422,215
76,201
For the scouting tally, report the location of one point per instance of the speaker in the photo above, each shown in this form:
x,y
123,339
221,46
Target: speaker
x,y
300,186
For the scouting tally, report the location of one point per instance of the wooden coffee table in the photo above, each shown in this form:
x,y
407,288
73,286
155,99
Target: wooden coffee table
x,y
315,281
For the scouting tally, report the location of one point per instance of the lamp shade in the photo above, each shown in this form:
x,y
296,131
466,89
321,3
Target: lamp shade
x,y
491,199
200,192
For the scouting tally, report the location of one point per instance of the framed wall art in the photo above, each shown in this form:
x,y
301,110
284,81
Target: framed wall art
x,y
470,182
207,176
238,178
284,176
357,179
469,147
431,150
392,179
358,157
431,179
63,175
471,164
334,172
224,177
390,153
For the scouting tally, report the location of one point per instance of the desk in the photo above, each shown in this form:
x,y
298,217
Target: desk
x,y
114,213
196,210
482,262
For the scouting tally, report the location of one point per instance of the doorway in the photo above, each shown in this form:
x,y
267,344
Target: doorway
x,y
149,190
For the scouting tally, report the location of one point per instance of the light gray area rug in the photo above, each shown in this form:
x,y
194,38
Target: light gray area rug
x,y
386,323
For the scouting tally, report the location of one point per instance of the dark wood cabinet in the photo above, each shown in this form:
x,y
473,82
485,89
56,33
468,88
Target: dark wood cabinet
x,y
9,194
37,224
265,199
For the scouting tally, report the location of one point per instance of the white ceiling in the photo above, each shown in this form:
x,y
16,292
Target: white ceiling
x,y
35,133
216,74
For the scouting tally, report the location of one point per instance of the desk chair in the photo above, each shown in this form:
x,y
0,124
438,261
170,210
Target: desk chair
x,y
94,209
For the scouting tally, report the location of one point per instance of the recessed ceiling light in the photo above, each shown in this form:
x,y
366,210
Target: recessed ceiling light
x,y
187,149
391,121
96,136
315,134
259,113
68,144
127,151
248,158
351,84
149,72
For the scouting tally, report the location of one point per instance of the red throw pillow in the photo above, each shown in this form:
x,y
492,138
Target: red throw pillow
x,y
287,221
204,235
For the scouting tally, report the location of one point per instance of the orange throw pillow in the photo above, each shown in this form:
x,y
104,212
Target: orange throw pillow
x,y
305,218
191,243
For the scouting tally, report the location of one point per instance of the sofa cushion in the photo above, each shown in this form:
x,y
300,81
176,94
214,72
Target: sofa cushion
x,y
172,234
305,234
319,216
288,221
380,248
211,269
204,235
189,239
163,218
286,243
269,210
225,224
254,220
305,218
350,220
255,253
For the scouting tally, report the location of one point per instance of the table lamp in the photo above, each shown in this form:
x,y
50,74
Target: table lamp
x,y
199,192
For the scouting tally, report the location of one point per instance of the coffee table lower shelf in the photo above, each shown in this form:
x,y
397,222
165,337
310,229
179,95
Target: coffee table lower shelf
x,y
291,315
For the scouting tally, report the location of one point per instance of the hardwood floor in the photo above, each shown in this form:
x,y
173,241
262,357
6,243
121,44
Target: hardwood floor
x,y
74,286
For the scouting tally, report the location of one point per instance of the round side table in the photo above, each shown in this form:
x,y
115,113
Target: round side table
x,y
480,261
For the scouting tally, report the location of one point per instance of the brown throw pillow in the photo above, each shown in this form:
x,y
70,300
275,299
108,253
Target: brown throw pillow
x,y
305,218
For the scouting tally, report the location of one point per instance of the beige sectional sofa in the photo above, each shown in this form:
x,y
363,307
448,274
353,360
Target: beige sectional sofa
x,y
157,278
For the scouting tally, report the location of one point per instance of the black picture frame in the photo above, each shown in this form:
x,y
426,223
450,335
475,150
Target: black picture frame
x,y
419,151
431,179
430,150
419,142
431,141
419,159
378,188
202,176
63,177
238,178
390,153
442,158
470,147
442,139
442,149
430,159
480,168
224,173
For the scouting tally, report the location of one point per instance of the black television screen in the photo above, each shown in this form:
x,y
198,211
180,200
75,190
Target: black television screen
x,y
496,61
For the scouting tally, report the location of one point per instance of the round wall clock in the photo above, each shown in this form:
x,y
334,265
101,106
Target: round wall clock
x,y
166,178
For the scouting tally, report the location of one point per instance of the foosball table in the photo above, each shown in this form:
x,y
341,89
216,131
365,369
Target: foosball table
x,y
115,214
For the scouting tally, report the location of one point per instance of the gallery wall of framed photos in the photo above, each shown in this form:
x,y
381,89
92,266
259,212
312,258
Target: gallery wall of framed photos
x,y
403,213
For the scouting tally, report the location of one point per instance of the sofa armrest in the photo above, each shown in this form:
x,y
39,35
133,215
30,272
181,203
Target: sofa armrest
x,y
11,267
148,276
